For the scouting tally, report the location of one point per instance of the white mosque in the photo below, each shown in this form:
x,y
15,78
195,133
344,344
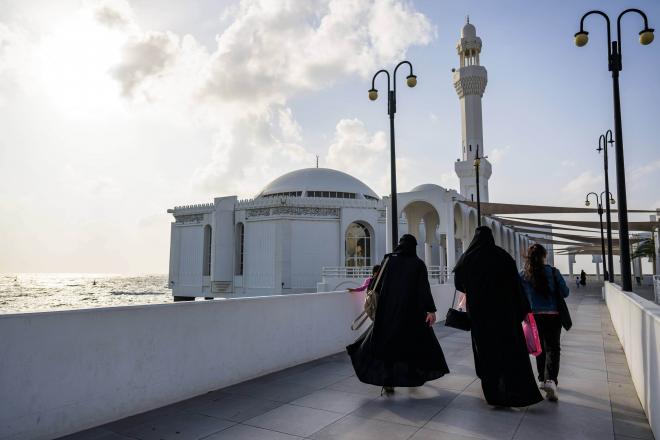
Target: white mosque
x,y
316,220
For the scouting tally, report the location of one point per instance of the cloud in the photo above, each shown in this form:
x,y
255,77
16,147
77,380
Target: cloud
x,y
252,150
582,184
360,153
145,58
498,153
114,15
644,170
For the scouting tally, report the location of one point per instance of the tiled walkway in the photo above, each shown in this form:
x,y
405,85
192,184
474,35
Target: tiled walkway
x,y
324,400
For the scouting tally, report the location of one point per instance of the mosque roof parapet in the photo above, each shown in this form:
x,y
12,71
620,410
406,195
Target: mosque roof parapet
x,y
198,207
312,202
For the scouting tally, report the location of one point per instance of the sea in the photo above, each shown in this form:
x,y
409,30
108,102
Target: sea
x,y
43,292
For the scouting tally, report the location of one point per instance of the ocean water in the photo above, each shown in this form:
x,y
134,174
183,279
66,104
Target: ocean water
x,y
39,292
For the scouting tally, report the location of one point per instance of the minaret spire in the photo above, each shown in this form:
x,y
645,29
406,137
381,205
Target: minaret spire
x,y
470,81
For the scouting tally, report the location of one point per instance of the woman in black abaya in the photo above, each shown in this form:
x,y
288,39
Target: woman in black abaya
x,y
497,306
400,348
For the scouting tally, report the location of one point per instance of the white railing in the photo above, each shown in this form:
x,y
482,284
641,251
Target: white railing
x,y
438,273
656,288
346,272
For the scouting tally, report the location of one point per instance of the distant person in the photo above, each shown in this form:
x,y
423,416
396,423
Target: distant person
x,y
577,282
367,282
400,348
542,283
496,306
583,277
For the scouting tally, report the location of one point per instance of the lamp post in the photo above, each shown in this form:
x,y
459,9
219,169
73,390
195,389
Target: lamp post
x,y
615,66
602,146
599,202
411,80
477,164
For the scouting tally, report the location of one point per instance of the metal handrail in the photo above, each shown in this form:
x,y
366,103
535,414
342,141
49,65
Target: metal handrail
x,y
439,273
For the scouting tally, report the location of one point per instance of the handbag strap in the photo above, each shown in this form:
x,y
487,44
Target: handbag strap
x,y
359,321
555,282
380,272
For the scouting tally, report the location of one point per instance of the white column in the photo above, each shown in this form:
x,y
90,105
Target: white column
x,y
388,225
450,237
571,260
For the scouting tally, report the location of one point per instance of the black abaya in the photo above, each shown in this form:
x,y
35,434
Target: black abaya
x,y
400,349
496,306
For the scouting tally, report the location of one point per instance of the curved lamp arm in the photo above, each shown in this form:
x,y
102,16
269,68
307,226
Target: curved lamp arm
x,y
586,200
397,68
618,23
609,32
609,137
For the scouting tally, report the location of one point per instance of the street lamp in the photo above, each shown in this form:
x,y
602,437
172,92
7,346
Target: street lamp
x,y
411,81
477,164
599,202
615,66
602,146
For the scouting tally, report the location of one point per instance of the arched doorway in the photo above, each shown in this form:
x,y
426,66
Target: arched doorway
x,y
358,245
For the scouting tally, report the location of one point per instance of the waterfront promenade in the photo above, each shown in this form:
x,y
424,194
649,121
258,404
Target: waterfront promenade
x,y
324,400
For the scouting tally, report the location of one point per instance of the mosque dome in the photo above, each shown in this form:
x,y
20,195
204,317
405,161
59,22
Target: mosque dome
x,y
318,182
428,187
468,31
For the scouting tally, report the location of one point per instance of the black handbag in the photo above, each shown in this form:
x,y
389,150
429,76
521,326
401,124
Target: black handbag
x,y
562,308
457,318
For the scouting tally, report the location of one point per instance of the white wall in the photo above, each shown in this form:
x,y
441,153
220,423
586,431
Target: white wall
x,y
61,372
637,323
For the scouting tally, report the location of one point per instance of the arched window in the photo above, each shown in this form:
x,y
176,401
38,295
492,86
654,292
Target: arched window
x,y
358,246
206,270
240,248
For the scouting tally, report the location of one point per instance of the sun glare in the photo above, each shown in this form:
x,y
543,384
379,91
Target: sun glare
x,y
73,65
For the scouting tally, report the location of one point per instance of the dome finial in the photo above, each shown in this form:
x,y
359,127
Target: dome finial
x,y
467,18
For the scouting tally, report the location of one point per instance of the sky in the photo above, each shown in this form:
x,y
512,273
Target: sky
x,y
113,111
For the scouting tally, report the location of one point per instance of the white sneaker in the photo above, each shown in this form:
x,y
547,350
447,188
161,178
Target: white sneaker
x,y
542,385
550,389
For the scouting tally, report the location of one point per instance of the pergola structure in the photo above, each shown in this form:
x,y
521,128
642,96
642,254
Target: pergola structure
x,y
573,236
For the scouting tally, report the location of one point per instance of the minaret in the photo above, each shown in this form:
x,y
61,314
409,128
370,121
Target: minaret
x,y
470,83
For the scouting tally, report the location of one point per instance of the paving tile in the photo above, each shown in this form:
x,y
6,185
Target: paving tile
x,y
233,407
430,434
492,424
313,378
294,420
403,411
139,419
632,426
358,428
95,434
276,391
353,385
178,426
244,432
332,400
564,421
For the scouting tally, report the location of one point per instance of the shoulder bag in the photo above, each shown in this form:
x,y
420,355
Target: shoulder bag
x,y
370,301
457,318
562,308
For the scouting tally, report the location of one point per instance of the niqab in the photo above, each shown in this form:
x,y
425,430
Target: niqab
x,y
399,348
496,305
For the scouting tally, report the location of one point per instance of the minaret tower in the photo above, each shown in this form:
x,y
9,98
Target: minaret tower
x,y
470,83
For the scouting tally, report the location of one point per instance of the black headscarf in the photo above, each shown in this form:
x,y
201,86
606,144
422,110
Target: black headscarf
x,y
483,240
496,306
407,245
